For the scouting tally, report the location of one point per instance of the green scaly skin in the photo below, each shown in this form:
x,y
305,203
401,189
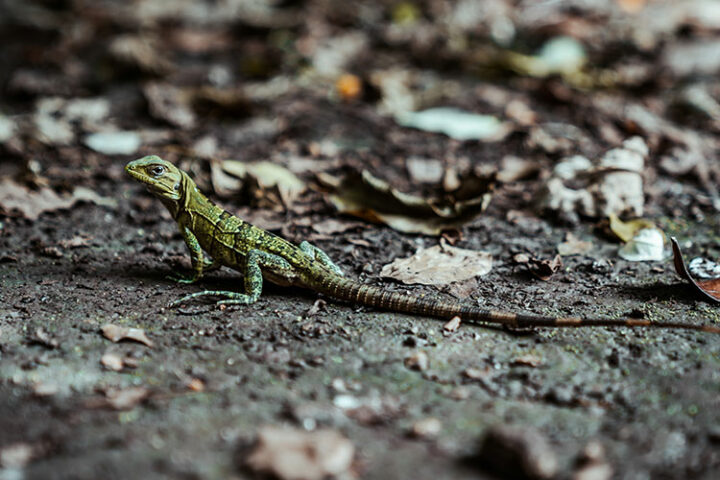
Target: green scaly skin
x,y
258,254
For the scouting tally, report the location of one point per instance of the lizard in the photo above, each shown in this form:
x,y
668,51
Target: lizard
x,y
217,238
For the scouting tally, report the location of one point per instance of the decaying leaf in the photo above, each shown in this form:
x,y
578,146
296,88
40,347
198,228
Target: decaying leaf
x,y
366,196
708,289
18,200
439,265
615,186
544,269
647,245
115,333
292,454
263,177
625,231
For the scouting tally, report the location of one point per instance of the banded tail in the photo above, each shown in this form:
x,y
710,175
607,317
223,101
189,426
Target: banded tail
x,y
355,292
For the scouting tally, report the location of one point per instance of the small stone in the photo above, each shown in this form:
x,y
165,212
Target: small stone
x,y
417,361
459,393
427,427
112,361
452,325
517,452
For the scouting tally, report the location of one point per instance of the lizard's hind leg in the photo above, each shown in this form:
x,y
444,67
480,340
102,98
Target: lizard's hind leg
x,y
320,256
253,280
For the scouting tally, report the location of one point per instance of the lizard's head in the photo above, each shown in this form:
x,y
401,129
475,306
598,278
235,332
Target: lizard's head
x,y
161,177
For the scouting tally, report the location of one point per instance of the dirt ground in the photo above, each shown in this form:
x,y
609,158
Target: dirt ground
x,y
595,403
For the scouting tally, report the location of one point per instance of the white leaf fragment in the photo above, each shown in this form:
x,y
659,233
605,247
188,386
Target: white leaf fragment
x,y
114,143
646,245
456,124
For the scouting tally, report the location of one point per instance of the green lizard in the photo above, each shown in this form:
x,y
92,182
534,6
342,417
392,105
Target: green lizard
x,y
259,255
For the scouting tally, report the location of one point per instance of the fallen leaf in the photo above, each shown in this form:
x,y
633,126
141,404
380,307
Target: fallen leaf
x,y
332,226
171,104
292,454
544,269
366,196
263,176
126,398
349,87
708,289
424,170
457,124
18,200
142,52
647,245
114,142
115,333
704,268
439,265
15,456
573,246
614,186
625,231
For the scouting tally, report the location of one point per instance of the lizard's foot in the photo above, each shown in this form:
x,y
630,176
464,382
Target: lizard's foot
x,y
231,298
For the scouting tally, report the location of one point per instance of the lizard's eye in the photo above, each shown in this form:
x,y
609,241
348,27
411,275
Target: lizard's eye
x,y
157,170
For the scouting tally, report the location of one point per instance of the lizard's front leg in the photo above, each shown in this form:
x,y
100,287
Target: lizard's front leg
x,y
322,257
200,264
255,261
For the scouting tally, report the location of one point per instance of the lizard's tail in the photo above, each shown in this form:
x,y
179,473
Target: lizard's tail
x,y
349,290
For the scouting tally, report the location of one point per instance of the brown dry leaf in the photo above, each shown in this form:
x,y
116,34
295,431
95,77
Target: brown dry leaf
x,y
573,246
439,265
708,289
544,269
141,52
115,333
292,454
126,398
366,196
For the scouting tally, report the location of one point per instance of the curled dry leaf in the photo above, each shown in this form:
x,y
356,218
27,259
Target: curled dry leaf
x,y
439,265
115,333
292,454
366,196
708,289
